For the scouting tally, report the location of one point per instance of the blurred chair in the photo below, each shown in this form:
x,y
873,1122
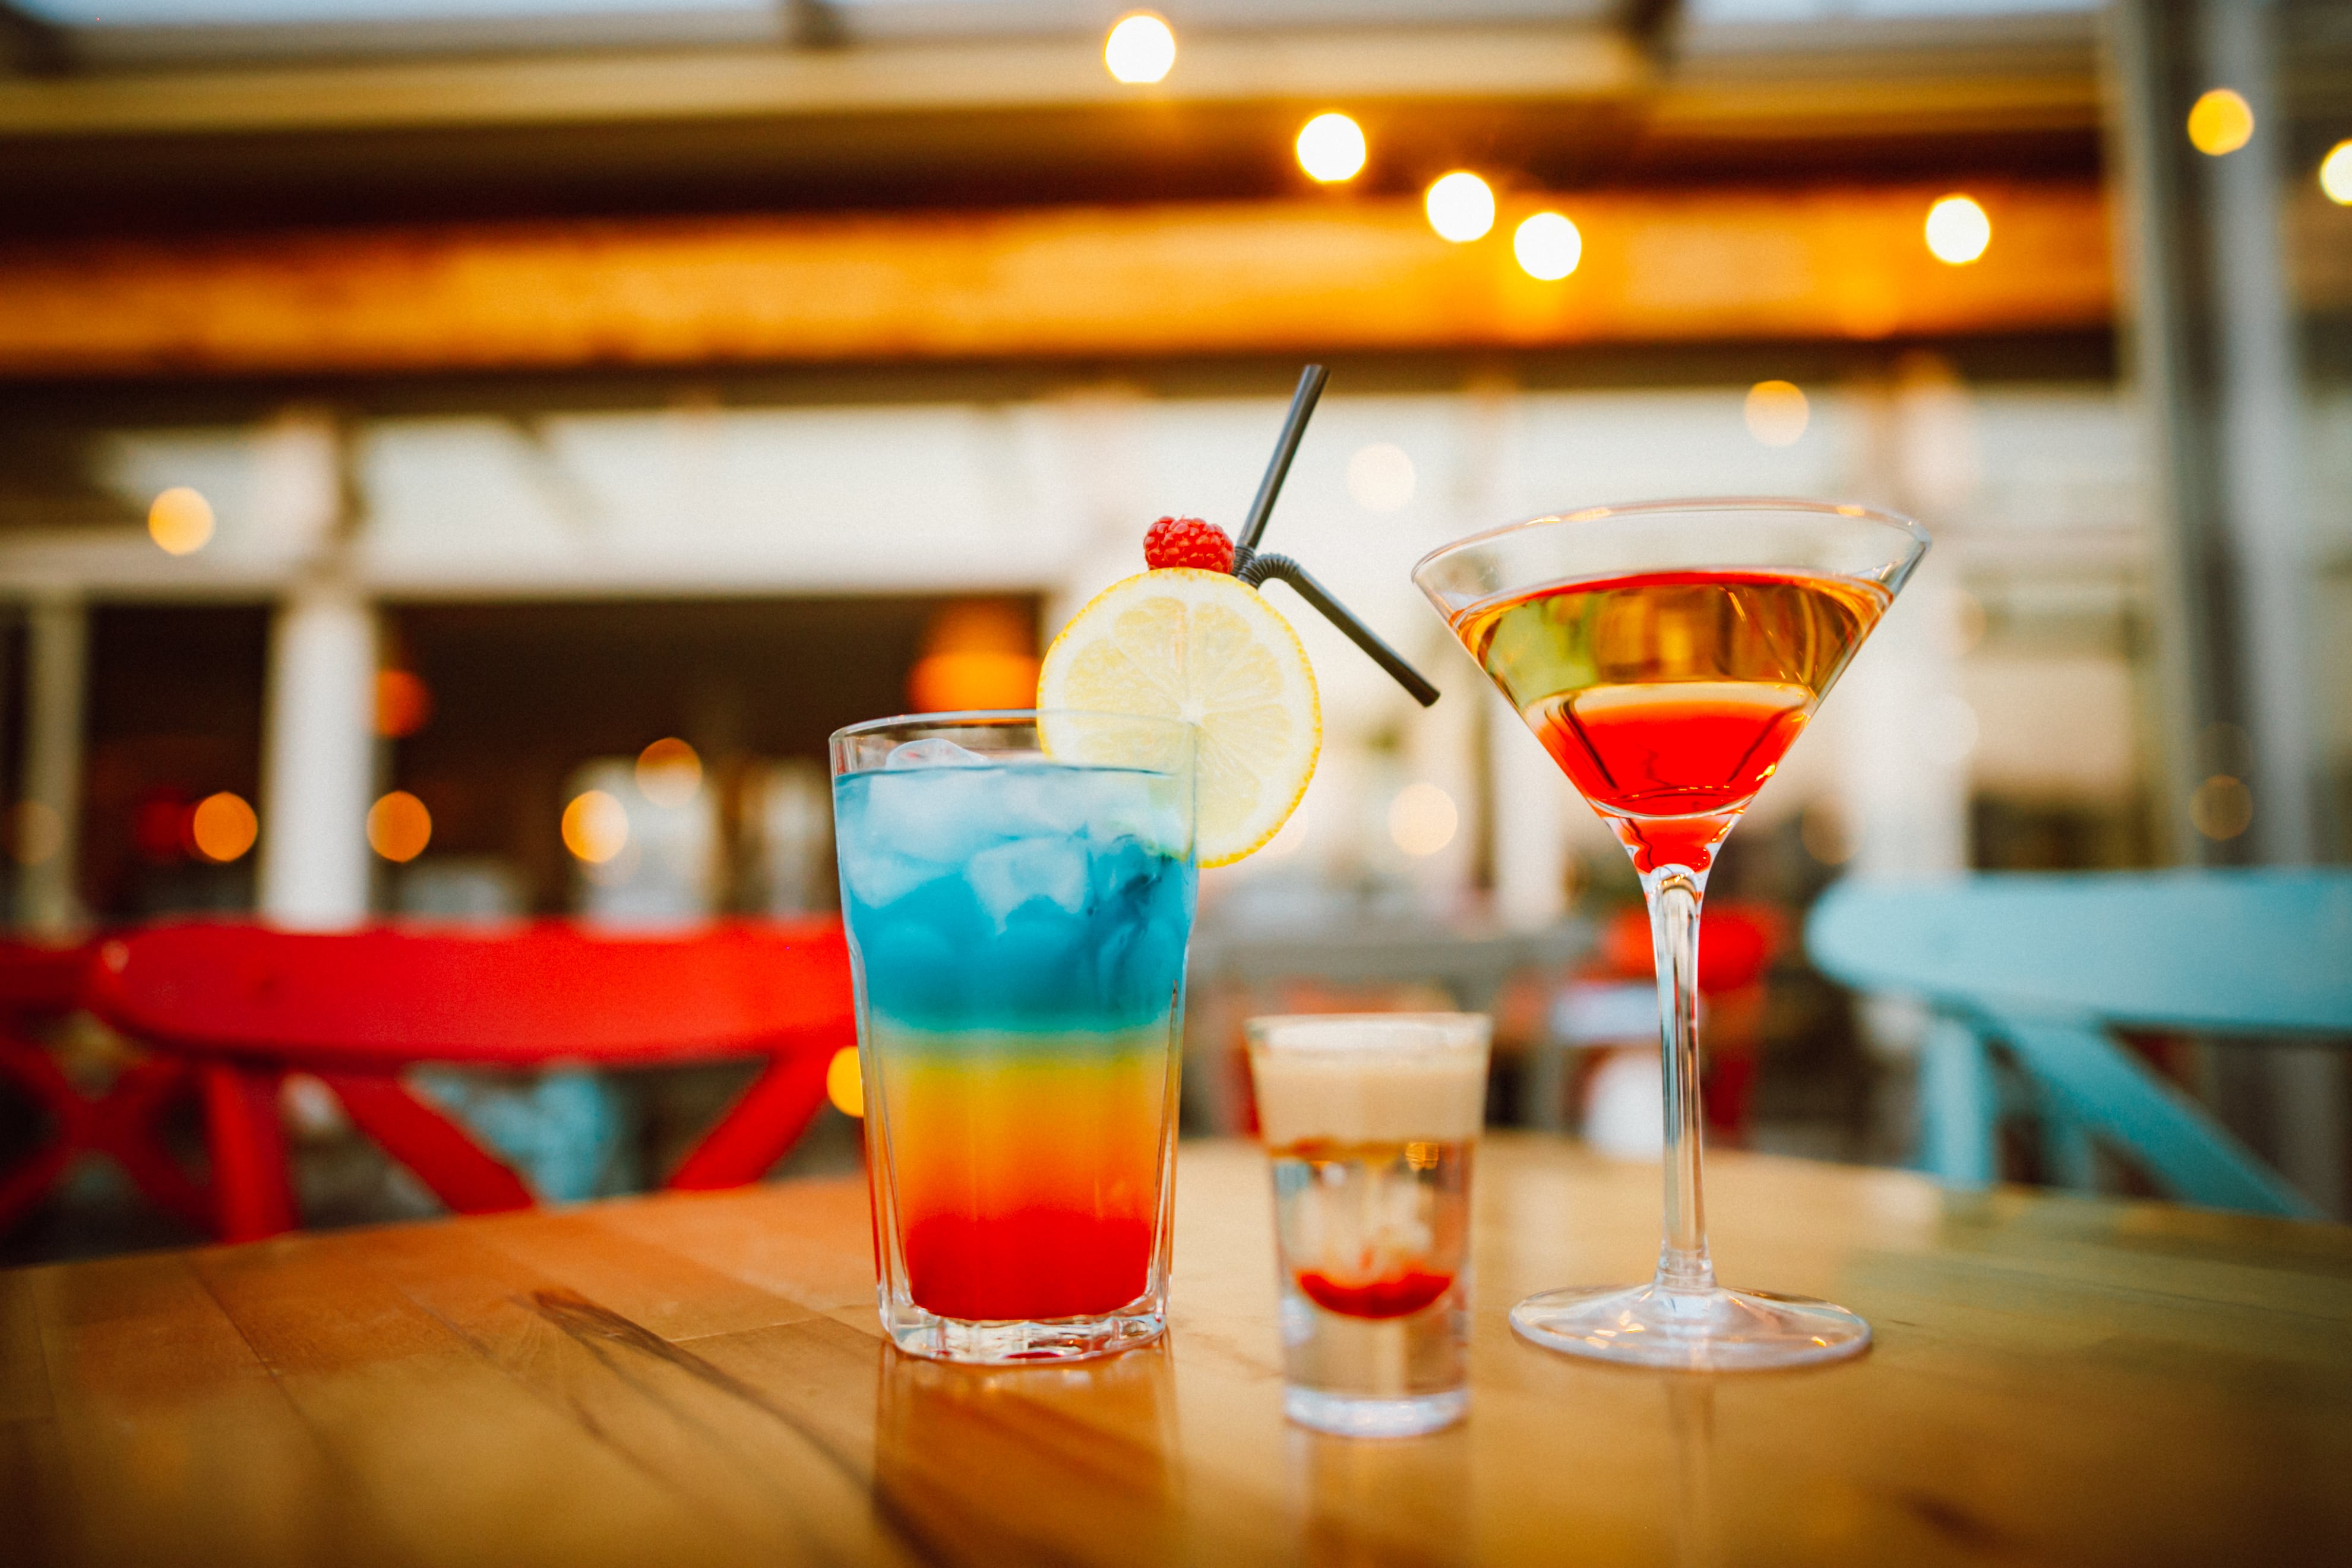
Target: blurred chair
x,y
243,1006
39,984
1614,1005
2044,966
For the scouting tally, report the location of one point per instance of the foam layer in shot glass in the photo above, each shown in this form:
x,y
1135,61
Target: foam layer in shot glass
x,y
1360,1078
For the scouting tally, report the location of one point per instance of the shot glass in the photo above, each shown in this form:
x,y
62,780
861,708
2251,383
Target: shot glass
x,y
1370,1120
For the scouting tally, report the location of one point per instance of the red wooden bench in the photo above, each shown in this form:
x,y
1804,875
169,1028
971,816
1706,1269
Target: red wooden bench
x,y
243,1004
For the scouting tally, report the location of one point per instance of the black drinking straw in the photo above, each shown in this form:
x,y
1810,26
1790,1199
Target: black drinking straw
x,y
1254,568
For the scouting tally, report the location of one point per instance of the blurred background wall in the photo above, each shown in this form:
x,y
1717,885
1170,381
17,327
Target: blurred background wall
x,y
460,457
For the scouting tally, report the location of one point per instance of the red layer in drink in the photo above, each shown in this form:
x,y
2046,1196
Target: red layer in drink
x,y
1398,1295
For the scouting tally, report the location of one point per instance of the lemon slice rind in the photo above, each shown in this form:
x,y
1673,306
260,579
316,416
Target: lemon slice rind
x,y
1181,643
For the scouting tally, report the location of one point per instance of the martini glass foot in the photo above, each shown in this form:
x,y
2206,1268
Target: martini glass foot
x,y
1705,1330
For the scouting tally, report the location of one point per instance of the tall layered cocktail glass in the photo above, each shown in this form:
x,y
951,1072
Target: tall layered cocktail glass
x,y
1017,920
1667,654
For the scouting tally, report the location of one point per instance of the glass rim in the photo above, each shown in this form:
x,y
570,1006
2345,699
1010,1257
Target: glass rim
x,y
985,718
1438,1033
1853,511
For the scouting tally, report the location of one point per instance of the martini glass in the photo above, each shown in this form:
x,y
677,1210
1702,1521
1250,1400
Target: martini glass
x,y
1667,654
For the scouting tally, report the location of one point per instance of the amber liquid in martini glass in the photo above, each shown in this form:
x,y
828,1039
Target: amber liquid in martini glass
x,y
1668,697
1667,656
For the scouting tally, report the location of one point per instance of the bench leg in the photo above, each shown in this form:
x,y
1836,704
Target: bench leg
x,y
1959,1107
2190,1155
253,1195
759,1127
444,1158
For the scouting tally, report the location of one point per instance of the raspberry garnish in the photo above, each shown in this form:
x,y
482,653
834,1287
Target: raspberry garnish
x,y
1188,542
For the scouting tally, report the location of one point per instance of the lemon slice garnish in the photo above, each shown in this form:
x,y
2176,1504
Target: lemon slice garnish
x,y
1179,643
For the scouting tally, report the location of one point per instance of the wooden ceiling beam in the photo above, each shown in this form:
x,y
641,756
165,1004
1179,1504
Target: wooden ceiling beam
x,y
1504,63
1306,276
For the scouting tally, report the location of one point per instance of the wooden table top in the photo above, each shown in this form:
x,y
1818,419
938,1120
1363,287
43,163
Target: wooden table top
x,y
691,1379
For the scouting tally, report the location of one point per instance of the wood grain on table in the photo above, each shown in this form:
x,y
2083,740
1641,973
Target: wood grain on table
x,y
699,1378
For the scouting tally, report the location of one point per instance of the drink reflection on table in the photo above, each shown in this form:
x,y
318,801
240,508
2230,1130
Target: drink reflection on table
x,y
1367,1500
1033,1463
1690,1416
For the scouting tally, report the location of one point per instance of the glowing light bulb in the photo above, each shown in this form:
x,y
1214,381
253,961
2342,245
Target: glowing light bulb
x,y
1331,149
1548,247
2220,122
2335,173
1139,48
1461,206
1957,230
180,521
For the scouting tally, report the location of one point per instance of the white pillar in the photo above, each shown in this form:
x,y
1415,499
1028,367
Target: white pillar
x,y
49,823
318,758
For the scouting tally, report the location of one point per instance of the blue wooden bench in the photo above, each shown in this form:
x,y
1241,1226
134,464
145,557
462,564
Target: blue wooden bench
x,y
2044,967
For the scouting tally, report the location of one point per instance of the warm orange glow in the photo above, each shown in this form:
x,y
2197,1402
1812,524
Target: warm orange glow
x,y
595,826
2220,122
977,653
1957,230
1331,149
1776,413
951,682
403,703
1139,48
669,771
399,828
843,1084
223,827
180,521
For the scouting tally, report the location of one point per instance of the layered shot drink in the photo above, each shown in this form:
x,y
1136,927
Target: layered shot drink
x,y
1370,1120
1017,920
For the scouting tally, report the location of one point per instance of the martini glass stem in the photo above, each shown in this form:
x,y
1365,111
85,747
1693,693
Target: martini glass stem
x,y
1675,893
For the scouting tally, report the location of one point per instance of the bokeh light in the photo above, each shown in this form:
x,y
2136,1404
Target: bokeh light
x,y
223,827
1776,413
1331,148
1422,819
2335,173
180,521
2220,122
2222,807
669,771
399,828
1957,230
403,703
1380,477
1139,48
1461,206
843,1084
1548,247
595,826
